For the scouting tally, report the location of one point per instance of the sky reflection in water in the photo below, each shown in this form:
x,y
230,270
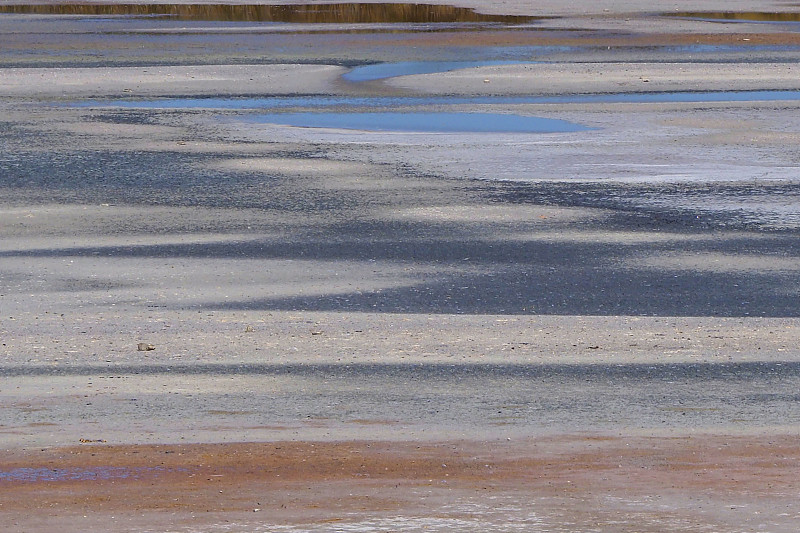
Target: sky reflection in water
x,y
422,122
404,68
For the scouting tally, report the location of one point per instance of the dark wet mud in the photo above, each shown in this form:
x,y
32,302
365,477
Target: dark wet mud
x,y
709,206
514,400
504,276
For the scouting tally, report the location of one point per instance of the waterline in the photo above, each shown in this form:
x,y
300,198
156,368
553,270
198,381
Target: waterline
x,y
287,102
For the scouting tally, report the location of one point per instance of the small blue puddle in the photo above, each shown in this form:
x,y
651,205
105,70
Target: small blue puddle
x,y
382,71
100,473
423,122
285,102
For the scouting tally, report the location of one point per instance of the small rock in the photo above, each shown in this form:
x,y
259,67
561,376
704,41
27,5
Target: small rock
x,y
249,329
144,347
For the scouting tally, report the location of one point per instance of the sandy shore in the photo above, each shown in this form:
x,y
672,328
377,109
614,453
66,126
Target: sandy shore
x,y
212,322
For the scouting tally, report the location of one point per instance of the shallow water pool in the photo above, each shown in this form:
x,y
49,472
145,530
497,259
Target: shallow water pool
x,y
382,71
423,122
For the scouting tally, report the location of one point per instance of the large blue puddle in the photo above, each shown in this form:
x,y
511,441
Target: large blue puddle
x,y
285,102
345,112
423,122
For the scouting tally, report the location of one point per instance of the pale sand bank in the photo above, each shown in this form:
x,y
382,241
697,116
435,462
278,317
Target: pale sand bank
x,y
582,78
523,79
159,80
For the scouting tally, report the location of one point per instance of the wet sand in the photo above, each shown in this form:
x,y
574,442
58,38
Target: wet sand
x,y
349,326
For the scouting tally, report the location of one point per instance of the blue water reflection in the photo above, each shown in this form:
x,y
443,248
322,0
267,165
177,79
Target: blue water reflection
x,y
404,68
97,473
423,122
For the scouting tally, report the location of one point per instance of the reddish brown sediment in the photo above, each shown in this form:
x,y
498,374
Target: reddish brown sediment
x,y
318,481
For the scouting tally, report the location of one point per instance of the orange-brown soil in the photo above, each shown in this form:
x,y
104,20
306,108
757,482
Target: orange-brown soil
x,y
580,480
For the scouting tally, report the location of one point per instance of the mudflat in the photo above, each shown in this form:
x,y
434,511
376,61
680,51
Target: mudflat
x,y
565,483
386,267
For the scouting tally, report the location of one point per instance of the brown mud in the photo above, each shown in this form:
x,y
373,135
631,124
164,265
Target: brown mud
x,y
714,480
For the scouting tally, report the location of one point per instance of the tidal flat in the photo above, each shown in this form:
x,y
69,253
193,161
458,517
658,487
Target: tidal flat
x,y
518,267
